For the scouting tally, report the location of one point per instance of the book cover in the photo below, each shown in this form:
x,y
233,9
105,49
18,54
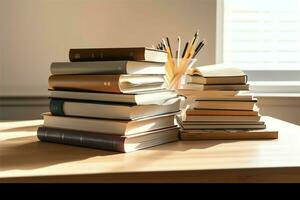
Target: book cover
x,y
110,54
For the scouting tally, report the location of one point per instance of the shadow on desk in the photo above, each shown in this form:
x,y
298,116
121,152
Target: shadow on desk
x,y
29,153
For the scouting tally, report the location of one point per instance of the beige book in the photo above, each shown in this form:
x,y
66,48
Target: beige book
x,y
225,105
216,80
107,83
200,112
217,70
211,118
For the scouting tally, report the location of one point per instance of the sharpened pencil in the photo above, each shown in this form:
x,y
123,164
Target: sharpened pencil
x,y
184,50
168,41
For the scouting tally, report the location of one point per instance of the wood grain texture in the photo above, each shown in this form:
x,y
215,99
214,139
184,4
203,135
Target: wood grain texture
x,y
24,159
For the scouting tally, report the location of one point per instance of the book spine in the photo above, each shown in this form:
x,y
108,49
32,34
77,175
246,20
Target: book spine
x,y
95,83
56,107
104,67
81,138
77,55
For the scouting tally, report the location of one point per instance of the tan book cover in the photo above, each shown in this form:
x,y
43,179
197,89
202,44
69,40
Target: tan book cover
x,y
99,83
203,112
228,134
106,83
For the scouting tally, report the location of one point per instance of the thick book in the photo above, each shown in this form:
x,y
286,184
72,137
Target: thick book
x,y
109,54
196,86
108,67
228,134
225,105
110,126
107,141
154,97
210,118
213,112
94,109
217,70
107,83
216,80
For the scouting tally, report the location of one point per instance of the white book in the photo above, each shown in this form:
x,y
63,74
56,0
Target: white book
x,y
154,97
109,126
94,109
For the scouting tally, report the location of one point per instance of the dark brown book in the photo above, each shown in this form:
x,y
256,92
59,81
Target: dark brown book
x,y
111,54
106,83
107,141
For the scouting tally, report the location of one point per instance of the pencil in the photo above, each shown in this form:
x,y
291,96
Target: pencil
x,y
178,50
184,50
198,49
195,36
168,41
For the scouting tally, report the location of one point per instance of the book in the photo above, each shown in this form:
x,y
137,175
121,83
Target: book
x,y
226,98
223,122
107,67
107,83
187,127
110,126
216,70
228,134
216,80
109,54
94,109
152,97
107,141
225,105
206,112
196,86
196,93
222,118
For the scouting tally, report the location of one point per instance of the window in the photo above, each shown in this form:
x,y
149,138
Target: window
x,y
263,38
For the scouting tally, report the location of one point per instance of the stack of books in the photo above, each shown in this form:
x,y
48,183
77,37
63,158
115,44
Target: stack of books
x,y
112,99
220,106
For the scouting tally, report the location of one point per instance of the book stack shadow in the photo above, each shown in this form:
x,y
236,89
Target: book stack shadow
x,y
111,99
220,106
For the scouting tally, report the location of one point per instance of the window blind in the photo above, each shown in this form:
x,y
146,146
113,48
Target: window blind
x,y
262,34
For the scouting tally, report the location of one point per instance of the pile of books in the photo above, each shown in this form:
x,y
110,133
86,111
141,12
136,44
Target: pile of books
x,y
220,106
112,99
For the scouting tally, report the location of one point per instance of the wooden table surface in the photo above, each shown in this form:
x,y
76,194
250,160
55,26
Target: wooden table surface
x,y
24,159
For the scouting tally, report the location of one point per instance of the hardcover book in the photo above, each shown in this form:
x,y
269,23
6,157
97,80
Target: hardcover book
x,y
107,141
108,67
110,54
228,134
94,109
107,83
151,97
110,126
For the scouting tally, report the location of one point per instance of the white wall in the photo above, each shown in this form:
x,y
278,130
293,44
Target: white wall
x,y
35,33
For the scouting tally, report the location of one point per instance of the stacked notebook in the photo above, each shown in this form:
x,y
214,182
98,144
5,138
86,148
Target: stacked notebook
x,y
220,106
112,99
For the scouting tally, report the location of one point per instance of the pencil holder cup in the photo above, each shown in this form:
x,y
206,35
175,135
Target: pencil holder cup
x,y
176,79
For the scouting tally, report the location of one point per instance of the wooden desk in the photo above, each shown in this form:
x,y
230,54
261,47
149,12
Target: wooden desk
x,y
24,159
